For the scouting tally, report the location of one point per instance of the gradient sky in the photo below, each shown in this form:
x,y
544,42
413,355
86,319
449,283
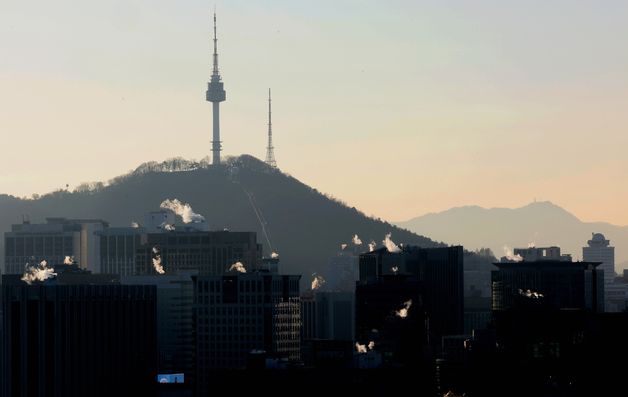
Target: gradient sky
x,y
398,108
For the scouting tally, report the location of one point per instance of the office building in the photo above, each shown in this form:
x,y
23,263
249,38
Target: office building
x,y
599,250
53,241
439,273
390,313
555,284
176,350
118,249
238,313
328,315
78,334
210,253
532,254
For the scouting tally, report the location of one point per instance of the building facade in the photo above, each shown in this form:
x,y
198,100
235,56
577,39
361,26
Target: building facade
x,y
176,351
598,249
402,337
439,272
53,241
328,315
118,249
210,253
80,335
554,284
240,313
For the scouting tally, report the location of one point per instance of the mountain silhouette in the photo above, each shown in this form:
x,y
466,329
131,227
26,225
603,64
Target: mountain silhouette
x,y
540,223
303,225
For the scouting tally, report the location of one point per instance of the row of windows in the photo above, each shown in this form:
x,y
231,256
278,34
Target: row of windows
x,y
242,299
229,311
39,245
241,331
229,339
230,320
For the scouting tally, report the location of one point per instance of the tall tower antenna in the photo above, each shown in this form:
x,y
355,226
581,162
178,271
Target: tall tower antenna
x,y
215,94
270,150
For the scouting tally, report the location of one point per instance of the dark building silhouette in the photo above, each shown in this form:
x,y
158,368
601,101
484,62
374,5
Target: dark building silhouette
x,y
78,334
439,276
240,313
400,336
599,249
547,335
554,283
176,345
328,315
53,241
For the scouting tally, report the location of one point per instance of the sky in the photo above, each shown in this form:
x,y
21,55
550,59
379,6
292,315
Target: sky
x,y
399,108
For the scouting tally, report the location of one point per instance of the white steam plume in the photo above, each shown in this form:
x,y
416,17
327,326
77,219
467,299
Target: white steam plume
x,y
372,246
361,349
509,255
183,210
356,240
390,245
274,255
238,267
157,261
39,272
168,227
69,260
317,282
530,294
343,246
403,313
135,225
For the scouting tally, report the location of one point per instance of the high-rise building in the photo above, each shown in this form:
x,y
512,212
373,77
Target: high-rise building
x,y
53,241
78,334
390,315
439,272
328,315
215,94
555,284
600,250
210,253
176,349
243,312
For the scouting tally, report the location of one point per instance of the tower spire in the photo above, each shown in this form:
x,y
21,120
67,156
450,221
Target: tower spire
x,y
215,71
215,94
270,150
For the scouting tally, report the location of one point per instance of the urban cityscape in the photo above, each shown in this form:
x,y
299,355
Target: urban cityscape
x,y
189,278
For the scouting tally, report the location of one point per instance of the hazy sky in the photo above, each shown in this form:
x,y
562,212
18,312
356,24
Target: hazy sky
x,y
398,108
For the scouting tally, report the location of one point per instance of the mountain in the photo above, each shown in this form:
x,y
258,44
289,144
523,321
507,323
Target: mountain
x,y
305,226
541,223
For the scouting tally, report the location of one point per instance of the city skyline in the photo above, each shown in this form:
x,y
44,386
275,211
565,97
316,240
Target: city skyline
x,y
447,106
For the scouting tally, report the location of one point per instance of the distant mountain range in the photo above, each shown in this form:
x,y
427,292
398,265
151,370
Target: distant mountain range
x,y
540,223
304,226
